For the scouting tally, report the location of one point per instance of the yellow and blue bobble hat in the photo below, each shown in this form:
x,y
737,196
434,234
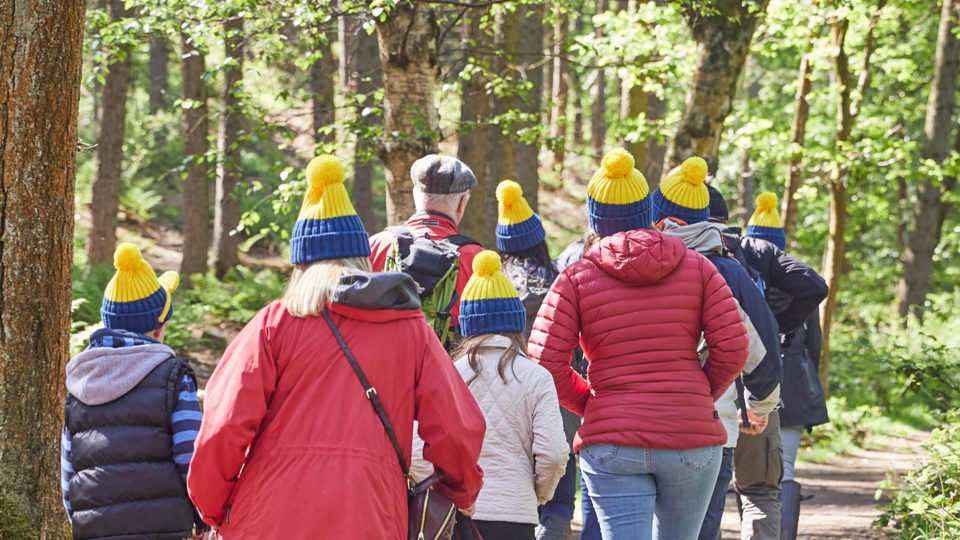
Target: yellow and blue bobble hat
x,y
617,196
135,299
518,228
683,194
328,227
490,303
766,223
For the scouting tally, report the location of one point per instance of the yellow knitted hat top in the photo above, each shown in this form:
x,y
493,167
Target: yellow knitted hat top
x,y
488,281
617,181
766,214
512,208
326,197
683,194
135,299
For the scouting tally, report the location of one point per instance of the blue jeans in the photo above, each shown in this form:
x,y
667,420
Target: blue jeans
x,y
591,526
710,530
646,493
564,498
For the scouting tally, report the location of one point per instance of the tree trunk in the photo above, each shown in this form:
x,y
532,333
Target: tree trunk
x,y
501,159
634,104
41,47
547,94
847,111
746,178
561,74
360,75
196,188
927,221
576,79
723,41
798,132
97,32
158,72
408,54
598,109
105,203
472,139
321,91
531,60
226,212
656,149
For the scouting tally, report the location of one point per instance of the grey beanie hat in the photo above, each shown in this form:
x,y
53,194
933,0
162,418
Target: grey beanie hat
x,y
442,175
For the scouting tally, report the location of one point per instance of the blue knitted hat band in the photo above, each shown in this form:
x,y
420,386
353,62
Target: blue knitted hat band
x,y
139,316
332,238
664,208
520,236
492,315
607,219
773,235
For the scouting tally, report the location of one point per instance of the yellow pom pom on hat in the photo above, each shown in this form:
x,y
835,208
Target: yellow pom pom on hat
x,y
490,303
518,228
683,193
135,299
328,226
618,195
765,222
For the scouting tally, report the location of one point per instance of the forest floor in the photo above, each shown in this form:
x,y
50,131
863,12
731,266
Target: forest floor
x,y
843,503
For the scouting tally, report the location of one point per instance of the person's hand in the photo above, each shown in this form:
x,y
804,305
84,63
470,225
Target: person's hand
x,y
470,510
757,424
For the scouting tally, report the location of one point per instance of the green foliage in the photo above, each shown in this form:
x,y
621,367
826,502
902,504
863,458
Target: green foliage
x,y
925,502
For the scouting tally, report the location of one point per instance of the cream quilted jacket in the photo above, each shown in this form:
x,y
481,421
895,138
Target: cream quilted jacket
x,y
524,450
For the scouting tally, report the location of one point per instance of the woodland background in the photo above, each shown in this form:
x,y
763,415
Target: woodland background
x,y
197,117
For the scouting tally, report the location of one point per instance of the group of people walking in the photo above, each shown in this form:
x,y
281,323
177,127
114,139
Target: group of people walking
x,y
664,353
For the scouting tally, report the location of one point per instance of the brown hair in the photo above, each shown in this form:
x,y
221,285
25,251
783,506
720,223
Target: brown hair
x,y
590,238
472,347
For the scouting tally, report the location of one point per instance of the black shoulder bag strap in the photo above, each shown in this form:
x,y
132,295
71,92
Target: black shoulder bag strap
x,y
370,391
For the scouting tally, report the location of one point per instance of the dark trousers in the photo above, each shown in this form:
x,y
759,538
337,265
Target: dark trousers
x,y
505,530
710,530
564,498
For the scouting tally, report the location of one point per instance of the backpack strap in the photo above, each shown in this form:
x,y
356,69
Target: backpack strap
x,y
370,391
461,240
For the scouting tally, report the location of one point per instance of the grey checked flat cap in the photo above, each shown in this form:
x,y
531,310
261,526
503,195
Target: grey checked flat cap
x,y
442,175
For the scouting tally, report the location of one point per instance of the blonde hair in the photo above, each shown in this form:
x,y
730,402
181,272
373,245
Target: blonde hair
x,y
313,286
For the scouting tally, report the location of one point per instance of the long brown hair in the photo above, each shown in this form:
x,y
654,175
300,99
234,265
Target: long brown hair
x,y
472,347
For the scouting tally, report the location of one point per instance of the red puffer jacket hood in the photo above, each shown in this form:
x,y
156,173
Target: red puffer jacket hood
x,y
641,256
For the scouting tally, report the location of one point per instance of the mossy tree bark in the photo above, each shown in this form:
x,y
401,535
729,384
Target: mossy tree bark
x,y
196,187
723,41
41,47
408,55
929,210
474,114
531,62
226,209
501,148
105,203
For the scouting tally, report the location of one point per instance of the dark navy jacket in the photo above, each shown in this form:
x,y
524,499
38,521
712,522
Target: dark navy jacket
x,y
801,393
126,483
802,286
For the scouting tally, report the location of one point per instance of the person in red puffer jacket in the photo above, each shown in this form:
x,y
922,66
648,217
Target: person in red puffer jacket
x,y
638,303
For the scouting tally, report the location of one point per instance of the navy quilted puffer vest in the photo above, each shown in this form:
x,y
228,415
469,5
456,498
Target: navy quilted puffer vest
x,y
126,483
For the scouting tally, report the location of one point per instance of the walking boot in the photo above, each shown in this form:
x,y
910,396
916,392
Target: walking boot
x,y
790,497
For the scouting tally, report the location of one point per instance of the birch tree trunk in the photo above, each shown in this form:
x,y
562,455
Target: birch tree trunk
x,y
41,46
723,41
929,210
105,203
473,136
408,54
226,208
196,187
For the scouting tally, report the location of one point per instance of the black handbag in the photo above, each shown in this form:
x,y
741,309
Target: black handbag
x,y
431,516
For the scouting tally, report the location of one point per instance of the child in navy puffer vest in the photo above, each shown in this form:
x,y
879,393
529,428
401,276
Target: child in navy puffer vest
x,y
131,415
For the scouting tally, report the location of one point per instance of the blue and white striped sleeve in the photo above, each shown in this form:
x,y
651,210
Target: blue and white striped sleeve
x,y
186,423
66,468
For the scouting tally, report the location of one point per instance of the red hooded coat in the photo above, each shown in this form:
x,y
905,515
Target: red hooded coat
x,y
637,303
290,447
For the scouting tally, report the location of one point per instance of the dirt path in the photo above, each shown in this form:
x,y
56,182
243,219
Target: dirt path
x,y
843,503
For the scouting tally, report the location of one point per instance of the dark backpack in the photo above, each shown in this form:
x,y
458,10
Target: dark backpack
x,y
434,264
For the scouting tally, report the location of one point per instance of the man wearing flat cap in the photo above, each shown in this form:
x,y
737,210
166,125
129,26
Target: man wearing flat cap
x,y
441,190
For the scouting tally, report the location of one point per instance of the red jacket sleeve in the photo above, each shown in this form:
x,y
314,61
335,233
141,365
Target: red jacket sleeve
x,y
556,332
450,423
234,405
723,331
380,245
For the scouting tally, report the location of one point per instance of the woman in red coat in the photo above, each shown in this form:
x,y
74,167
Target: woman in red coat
x,y
638,303
290,446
